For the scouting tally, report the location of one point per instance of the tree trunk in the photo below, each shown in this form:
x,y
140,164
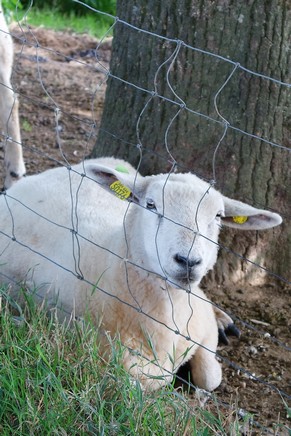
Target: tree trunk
x,y
253,34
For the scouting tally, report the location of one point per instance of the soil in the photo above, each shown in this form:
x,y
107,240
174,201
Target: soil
x,y
60,78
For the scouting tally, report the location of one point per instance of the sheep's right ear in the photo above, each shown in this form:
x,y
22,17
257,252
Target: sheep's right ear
x,y
120,183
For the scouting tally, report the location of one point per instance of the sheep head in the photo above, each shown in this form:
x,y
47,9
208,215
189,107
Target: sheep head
x,y
173,221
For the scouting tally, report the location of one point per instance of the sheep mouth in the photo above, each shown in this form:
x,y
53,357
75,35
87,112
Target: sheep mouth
x,y
184,280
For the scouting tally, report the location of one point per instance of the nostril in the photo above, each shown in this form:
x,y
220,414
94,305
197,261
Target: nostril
x,y
198,261
186,261
180,259
194,262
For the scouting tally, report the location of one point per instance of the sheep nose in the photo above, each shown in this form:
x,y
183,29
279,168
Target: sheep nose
x,y
187,261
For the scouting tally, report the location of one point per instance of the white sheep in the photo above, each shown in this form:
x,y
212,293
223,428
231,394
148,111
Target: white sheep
x,y
134,265
9,119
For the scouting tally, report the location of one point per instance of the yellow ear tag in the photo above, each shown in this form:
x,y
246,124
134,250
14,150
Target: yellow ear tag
x,y
240,219
120,190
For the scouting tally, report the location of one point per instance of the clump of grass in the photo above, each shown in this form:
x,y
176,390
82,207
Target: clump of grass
x,y
26,126
53,381
90,23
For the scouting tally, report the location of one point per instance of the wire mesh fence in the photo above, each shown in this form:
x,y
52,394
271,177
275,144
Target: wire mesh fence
x,y
70,227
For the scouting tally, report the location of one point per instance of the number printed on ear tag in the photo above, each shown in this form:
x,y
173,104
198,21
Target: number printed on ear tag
x,y
120,190
240,219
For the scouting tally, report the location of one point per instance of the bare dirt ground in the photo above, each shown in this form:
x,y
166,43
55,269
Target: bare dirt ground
x,y
73,82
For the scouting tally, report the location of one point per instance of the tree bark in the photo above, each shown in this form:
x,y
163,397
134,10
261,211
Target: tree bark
x,y
136,121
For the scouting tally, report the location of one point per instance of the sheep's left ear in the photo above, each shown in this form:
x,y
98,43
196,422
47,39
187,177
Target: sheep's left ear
x,y
242,216
118,182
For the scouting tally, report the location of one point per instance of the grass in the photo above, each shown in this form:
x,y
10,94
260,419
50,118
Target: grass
x,y
92,23
26,126
53,381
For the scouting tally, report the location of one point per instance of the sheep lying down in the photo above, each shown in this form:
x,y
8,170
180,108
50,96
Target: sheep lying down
x,y
99,238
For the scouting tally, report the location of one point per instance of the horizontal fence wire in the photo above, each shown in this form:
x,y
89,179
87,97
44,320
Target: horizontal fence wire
x,y
180,105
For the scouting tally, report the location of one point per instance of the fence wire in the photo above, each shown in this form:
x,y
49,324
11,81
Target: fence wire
x,y
73,224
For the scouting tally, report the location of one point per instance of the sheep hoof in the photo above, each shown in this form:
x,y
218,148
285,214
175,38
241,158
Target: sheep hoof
x,y
230,330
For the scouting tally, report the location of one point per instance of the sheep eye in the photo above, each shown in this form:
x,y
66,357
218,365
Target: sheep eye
x,y
150,204
219,215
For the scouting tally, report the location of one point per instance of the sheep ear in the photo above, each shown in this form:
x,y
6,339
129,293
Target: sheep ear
x,y
116,181
242,216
